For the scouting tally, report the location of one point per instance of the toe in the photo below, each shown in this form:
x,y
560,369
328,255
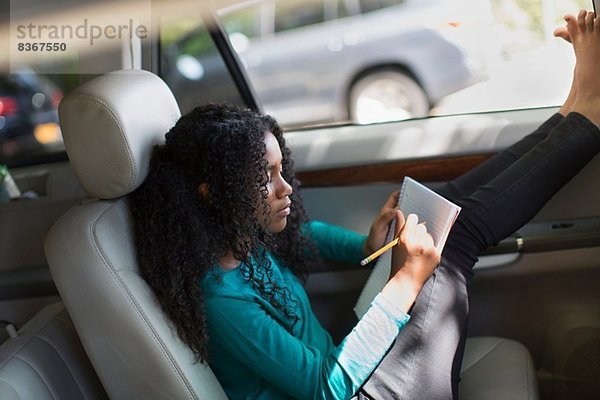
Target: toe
x,y
572,27
589,21
562,33
581,20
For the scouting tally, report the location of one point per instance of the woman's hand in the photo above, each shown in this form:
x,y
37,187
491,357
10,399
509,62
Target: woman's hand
x,y
415,257
381,224
413,261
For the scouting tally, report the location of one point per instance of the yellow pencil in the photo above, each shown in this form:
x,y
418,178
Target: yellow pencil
x,y
379,252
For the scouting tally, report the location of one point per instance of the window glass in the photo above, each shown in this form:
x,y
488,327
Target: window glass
x,y
29,130
296,14
245,21
521,64
191,65
342,9
50,51
372,5
415,59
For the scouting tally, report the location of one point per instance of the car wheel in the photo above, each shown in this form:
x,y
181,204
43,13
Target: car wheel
x,y
386,96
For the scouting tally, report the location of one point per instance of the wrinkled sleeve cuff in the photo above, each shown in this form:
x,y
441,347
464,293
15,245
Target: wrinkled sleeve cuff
x,y
391,310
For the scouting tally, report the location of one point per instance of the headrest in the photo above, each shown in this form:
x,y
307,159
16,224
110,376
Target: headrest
x,y
110,125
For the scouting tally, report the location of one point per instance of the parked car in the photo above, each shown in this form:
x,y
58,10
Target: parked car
x,y
28,113
336,60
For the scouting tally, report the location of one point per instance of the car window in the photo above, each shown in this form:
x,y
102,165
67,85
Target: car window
x,y
372,5
343,8
49,55
387,60
297,14
29,129
53,53
246,21
191,65
32,83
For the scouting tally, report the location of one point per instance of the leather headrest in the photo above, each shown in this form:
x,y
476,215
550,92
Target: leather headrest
x,y
110,125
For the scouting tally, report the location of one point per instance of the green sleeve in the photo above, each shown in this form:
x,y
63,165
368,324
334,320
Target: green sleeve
x,y
245,329
336,243
262,345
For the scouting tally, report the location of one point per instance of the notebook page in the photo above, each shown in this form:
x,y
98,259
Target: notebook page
x,y
439,215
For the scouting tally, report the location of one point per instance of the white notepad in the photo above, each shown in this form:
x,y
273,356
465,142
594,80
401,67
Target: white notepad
x,y
439,214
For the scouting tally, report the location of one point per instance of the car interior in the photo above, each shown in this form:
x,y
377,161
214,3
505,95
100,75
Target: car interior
x,y
79,322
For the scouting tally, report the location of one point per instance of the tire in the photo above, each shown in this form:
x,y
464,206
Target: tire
x,y
386,96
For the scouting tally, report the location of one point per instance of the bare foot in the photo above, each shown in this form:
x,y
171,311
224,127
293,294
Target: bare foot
x,y
584,32
567,106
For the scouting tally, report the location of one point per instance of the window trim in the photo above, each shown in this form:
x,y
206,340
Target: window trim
x,y
231,60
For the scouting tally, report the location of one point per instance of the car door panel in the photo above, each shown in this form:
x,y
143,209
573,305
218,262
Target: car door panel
x,y
549,302
421,139
348,172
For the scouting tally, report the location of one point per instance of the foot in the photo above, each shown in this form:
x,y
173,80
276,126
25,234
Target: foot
x,y
584,33
567,106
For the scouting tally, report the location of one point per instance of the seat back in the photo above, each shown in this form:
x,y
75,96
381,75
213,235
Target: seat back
x,y
110,125
45,361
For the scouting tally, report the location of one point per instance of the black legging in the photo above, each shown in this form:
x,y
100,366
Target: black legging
x,y
497,198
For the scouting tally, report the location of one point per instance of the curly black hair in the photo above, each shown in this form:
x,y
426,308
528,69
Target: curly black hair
x,y
181,235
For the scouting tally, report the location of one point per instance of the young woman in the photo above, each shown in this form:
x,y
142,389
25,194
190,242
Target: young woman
x,y
223,239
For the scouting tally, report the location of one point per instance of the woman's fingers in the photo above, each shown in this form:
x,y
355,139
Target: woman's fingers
x,y
410,224
429,240
381,224
419,256
388,211
416,233
411,221
400,222
421,229
383,219
392,201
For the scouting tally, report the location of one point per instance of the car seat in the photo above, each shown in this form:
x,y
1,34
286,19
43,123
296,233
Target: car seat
x,y
110,125
44,360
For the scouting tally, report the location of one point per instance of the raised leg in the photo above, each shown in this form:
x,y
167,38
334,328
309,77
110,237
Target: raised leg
x,y
424,360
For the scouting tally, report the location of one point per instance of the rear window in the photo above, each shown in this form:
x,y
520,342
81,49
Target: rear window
x,y
51,51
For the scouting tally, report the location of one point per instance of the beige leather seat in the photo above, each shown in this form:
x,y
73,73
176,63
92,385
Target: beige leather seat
x,y
494,368
45,361
110,125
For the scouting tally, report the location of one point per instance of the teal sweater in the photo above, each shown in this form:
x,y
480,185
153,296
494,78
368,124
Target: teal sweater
x,y
257,352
